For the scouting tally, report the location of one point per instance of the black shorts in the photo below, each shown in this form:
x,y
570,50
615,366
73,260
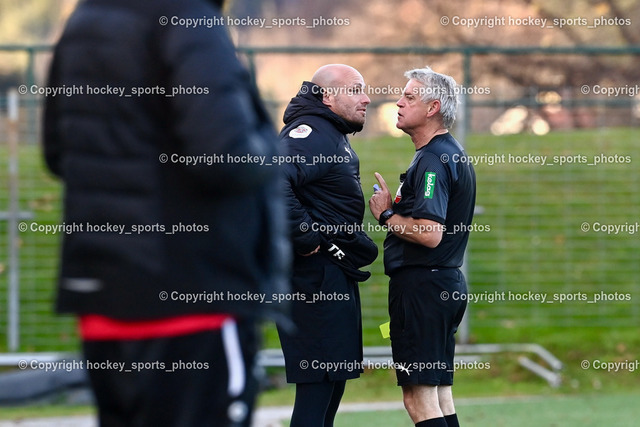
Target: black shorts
x,y
425,309
199,379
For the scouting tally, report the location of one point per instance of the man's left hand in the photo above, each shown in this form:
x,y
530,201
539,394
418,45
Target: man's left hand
x,y
380,201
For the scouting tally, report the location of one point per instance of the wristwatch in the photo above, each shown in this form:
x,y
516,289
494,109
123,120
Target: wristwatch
x,y
384,216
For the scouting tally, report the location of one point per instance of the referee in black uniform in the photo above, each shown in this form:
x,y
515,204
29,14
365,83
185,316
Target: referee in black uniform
x,y
428,223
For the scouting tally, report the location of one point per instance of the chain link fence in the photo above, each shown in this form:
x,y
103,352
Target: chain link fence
x,y
555,242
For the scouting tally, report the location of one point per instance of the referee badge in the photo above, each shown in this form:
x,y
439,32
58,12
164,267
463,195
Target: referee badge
x,y
398,194
403,176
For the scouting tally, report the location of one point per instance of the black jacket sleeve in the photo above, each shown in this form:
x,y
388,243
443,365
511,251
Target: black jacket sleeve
x,y
226,119
306,170
51,138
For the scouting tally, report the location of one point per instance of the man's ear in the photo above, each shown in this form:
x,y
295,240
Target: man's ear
x,y
327,99
433,108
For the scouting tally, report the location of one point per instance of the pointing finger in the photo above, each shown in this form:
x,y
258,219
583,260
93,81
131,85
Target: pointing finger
x,y
381,181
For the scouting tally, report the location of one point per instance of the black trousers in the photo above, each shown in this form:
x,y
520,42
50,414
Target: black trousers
x,y
201,379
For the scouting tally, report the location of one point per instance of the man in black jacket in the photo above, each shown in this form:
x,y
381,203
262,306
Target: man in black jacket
x,y
157,157
326,209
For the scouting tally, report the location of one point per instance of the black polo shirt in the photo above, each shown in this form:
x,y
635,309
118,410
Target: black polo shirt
x,y
439,185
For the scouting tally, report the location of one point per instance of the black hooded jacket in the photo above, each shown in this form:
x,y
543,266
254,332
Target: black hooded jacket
x,y
323,191
213,230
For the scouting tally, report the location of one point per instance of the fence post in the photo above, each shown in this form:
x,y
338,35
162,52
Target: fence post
x,y
461,136
13,300
462,128
31,101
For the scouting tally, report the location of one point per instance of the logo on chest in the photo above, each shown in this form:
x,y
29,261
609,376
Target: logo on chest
x,y
398,194
348,151
301,131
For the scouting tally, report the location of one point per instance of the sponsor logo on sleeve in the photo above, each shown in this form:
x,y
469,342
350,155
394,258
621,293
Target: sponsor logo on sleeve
x,y
429,184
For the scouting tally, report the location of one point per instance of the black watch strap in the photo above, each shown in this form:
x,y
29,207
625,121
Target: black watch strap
x,y
384,216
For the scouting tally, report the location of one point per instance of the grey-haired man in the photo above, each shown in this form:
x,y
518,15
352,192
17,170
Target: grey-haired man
x,y
428,232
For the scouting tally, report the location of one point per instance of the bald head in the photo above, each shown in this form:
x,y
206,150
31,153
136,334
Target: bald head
x,y
344,91
334,75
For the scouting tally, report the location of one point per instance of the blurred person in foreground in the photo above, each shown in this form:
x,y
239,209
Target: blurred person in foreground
x,y
428,223
326,208
162,280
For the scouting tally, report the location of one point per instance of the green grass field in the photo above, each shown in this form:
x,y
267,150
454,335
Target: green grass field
x,y
584,411
535,243
589,410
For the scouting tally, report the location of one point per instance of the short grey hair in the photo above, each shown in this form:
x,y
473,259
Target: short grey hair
x,y
441,87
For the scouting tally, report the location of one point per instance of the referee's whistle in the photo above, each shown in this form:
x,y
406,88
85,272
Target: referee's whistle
x,y
376,188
